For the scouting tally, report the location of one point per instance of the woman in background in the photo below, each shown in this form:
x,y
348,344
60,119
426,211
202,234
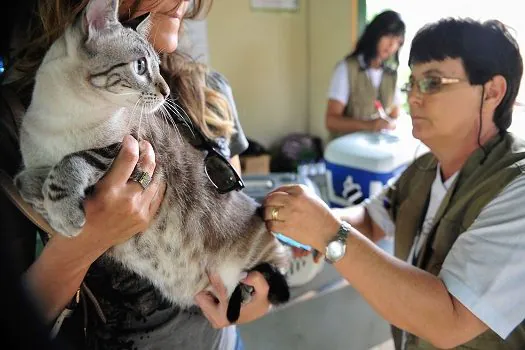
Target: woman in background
x,y
368,75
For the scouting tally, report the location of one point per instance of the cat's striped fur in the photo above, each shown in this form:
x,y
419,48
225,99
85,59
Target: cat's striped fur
x,y
88,95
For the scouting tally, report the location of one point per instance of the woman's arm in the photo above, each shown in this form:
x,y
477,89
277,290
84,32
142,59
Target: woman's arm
x,y
58,272
337,122
406,296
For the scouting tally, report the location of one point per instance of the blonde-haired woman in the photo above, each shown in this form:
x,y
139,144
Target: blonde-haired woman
x,y
135,314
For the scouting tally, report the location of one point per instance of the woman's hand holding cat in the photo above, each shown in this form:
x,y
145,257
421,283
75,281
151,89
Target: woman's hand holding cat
x,y
117,210
214,307
124,204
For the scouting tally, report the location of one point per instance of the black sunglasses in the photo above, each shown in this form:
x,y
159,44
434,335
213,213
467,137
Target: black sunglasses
x,y
219,170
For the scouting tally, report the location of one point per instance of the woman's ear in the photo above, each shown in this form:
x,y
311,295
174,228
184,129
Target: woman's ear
x,y
495,90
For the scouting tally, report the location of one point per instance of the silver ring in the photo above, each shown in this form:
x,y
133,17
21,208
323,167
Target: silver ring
x,y
142,177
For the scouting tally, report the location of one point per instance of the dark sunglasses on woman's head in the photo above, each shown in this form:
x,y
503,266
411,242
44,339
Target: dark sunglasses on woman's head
x,y
429,85
219,170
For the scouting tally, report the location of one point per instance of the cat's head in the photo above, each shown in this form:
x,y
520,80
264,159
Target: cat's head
x,y
118,62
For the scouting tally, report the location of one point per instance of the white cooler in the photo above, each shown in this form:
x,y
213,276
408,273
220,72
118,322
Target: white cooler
x,y
359,164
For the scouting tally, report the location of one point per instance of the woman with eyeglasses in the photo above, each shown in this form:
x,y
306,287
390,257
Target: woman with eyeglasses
x,y
129,312
365,77
457,213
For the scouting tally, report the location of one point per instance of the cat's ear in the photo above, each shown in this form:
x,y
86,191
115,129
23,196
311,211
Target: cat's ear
x,y
99,15
144,26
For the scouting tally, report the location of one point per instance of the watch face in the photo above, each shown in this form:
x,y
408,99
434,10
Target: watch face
x,y
335,250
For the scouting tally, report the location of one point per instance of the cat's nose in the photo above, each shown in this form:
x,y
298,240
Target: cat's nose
x,y
163,89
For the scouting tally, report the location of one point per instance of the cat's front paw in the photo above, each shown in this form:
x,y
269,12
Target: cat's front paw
x,y
29,184
66,215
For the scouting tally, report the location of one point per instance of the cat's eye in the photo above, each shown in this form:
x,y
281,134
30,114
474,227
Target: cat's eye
x,y
140,66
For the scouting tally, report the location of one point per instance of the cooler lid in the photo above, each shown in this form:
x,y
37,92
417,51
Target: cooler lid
x,y
378,152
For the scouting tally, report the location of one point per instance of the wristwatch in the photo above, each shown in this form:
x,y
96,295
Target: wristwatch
x,y
336,248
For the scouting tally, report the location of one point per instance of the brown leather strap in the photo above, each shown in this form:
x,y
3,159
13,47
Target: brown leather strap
x,y
17,111
11,191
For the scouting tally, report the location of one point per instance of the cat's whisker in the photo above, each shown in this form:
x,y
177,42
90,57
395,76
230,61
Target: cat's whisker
x,y
172,107
135,107
183,120
132,116
175,108
186,117
167,117
140,120
175,111
151,119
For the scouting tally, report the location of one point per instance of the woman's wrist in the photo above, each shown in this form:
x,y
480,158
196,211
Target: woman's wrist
x,y
369,125
327,235
79,252
57,274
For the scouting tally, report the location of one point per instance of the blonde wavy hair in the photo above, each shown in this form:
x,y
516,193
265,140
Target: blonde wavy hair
x,y
206,107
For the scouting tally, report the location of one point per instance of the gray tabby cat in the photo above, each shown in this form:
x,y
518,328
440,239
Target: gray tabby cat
x,y
90,84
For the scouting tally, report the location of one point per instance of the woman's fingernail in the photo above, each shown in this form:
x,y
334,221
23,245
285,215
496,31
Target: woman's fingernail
x,y
243,275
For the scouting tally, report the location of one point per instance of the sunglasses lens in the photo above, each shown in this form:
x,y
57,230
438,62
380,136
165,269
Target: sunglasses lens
x,y
221,173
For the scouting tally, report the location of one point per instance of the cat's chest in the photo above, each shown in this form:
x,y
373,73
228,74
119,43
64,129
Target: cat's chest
x,y
45,149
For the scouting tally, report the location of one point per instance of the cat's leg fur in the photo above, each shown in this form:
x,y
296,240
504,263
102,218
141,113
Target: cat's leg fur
x,y
29,183
57,193
66,188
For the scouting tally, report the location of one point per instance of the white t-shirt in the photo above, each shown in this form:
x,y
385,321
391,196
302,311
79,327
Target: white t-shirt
x,y
485,268
340,85
437,193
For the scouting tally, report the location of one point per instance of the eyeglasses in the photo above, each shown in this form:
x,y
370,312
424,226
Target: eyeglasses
x,y
218,169
429,85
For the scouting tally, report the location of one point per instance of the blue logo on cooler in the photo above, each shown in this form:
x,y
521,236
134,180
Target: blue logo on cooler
x,y
348,186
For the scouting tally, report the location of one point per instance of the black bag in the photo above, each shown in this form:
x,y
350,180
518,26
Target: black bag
x,y
294,150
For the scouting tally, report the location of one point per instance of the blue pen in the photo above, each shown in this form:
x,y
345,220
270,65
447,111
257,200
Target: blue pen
x,y
291,242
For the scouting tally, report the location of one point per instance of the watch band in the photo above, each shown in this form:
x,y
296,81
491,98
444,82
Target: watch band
x,y
344,231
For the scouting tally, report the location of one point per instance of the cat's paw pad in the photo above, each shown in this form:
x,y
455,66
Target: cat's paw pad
x,y
66,216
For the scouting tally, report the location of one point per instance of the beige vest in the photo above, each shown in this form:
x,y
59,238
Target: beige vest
x,y
360,103
475,186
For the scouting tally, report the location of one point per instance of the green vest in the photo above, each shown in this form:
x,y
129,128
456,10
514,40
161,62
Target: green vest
x,y
479,181
360,103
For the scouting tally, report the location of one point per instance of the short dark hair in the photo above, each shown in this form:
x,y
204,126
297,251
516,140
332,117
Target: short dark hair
x,y
386,23
486,49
